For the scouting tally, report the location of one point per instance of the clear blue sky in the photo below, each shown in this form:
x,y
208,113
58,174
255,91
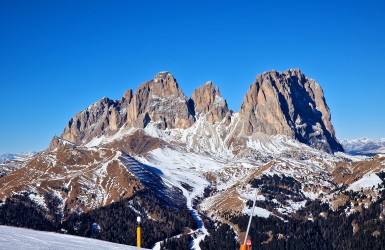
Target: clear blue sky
x,y
58,57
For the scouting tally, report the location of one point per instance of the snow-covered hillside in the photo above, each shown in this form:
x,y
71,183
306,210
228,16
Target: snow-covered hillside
x,y
364,146
11,162
9,157
21,238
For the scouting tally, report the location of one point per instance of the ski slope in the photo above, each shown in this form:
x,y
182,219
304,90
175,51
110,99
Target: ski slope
x,y
21,238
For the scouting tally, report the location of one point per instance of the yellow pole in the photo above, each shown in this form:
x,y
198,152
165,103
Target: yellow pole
x,y
138,236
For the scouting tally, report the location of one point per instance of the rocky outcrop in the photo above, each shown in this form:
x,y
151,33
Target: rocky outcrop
x,y
58,143
207,100
286,103
159,100
104,117
291,104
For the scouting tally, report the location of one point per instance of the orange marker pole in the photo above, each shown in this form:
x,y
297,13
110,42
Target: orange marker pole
x,y
138,239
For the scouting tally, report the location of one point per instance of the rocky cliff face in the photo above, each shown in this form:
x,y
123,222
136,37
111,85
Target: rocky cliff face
x,y
291,104
104,117
286,103
207,100
159,100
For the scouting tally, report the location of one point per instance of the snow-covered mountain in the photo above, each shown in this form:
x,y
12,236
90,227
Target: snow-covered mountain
x,y
155,148
20,156
286,103
364,146
11,162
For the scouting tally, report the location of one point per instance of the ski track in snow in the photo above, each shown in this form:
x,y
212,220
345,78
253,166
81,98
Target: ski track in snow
x,y
192,176
201,231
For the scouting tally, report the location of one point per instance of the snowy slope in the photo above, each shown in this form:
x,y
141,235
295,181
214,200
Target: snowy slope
x,y
206,167
366,182
201,157
184,165
11,162
186,172
21,238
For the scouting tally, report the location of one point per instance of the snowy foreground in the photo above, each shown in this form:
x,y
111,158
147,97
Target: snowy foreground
x,y
21,238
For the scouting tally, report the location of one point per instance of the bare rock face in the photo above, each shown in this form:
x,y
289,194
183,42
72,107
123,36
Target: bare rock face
x,y
208,101
291,104
286,103
58,143
104,117
159,100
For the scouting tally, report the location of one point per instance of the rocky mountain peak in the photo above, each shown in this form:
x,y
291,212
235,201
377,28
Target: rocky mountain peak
x,y
127,96
286,103
291,104
293,72
164,84
104,117
207,100
159,100
162,101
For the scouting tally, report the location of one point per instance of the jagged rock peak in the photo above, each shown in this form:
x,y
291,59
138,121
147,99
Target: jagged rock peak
x,y
127,96
163,75
103,117
163,85
207,100
291,104
158,100
166,80
287,103
161,101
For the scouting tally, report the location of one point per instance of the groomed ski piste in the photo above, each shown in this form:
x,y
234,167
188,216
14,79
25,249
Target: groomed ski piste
x,y
21,238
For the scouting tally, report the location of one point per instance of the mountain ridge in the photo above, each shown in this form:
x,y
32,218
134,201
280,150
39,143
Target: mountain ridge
x,y
364,146
14,156
270,106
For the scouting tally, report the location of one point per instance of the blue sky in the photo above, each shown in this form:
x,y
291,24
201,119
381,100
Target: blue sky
x,y
58,57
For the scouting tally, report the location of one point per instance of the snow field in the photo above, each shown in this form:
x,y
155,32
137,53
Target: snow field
x,y
21,238
366,182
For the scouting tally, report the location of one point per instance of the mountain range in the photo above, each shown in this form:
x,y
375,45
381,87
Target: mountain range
x,y
364,146
285,103
189,168
19,156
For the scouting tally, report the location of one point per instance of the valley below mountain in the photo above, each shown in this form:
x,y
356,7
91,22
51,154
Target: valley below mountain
x,y
191,168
